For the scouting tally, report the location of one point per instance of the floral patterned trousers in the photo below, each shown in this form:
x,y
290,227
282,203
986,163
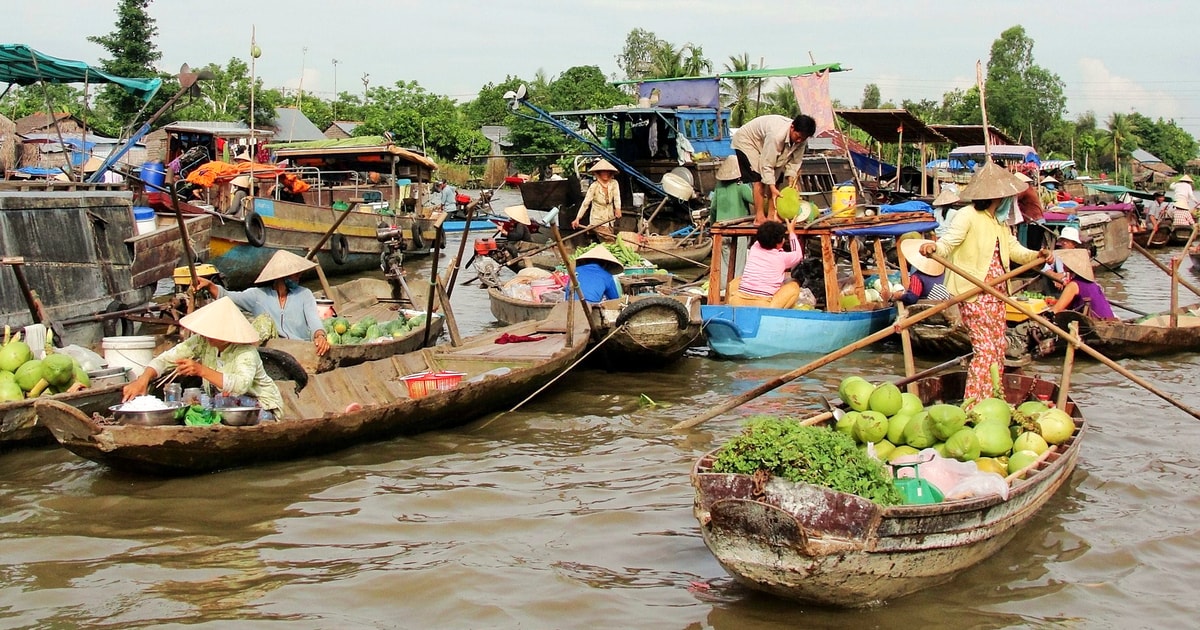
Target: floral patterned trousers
x,y
985,322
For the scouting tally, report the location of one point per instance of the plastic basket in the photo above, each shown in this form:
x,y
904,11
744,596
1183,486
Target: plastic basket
x,y
425,383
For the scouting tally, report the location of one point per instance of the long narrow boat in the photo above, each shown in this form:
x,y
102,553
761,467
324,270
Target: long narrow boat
x,y
812,544
1145,336
653,330
689,256
363,403
744,332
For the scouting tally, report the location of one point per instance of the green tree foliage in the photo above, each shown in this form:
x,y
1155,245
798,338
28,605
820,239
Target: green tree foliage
x,y
418,118
737,94
1023,98
1165,140
781,100
24,101
669,62
636,57
489,106
133,54
1121,138
871,97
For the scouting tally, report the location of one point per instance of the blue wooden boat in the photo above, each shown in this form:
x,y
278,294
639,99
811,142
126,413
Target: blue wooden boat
x,y
485,223
751,332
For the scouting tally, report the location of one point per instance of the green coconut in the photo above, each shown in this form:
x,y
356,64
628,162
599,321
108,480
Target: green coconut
x,y
886,399
13,355
857,394
10,391
1055,426
963,445
946,420
994,438
1030,441
58,370
910,404
992,409
1020,459
896,424
1032,407
872,426
846,423
918,433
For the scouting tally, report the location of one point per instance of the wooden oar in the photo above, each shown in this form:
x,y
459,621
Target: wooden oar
x,y
1128,308
1092,352
848,349
826,415
462,245
674,255
1191,287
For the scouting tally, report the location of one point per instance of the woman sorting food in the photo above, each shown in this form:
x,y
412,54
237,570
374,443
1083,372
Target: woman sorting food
x,y
222,351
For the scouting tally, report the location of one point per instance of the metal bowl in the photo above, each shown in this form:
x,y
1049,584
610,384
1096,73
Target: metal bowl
x,y
158,417
239,416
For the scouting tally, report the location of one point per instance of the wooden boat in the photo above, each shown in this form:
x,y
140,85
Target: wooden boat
x,y
943,335
1180,234
359,298
670,258
19,423
812,544
324,416
742,332
655,330
1105,229
1145,336
1156,234
1194,253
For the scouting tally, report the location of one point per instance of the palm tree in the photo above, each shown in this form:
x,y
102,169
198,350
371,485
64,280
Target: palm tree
x,y
1121,136
666,63
695,65
782,100
737,91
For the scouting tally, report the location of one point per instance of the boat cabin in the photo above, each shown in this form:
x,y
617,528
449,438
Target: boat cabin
x,y
367,168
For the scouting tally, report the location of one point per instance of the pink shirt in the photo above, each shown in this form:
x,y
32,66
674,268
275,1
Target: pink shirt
x,y
766,269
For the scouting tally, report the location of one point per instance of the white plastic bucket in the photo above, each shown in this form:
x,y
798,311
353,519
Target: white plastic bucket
x,y
132,352
144,219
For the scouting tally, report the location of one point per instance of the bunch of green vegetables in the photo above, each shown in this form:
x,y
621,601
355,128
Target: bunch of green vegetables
x,y
622,252
803,454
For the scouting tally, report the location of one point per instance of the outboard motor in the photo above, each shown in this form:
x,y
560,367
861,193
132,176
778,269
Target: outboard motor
x,y
391,259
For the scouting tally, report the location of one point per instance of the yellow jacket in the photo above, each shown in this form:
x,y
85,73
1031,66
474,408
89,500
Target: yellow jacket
x,y
969,243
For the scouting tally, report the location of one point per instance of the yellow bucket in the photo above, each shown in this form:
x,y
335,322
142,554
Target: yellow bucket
x,y
844,200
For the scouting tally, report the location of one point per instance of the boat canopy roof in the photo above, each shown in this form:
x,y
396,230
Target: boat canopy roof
x,y
1117,191
630,111
999,151
359,146
890,125
22,65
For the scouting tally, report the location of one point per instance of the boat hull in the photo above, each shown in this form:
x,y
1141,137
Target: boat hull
x,y
362,403
19,425
812,544
750,332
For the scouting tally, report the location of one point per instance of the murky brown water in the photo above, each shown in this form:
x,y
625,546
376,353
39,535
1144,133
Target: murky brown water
x,y
576,512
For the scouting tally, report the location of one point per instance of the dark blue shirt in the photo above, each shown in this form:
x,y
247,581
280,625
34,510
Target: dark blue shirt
x,y
597,283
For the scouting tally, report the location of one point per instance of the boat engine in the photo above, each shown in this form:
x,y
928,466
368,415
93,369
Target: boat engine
x,y
391,259
493,248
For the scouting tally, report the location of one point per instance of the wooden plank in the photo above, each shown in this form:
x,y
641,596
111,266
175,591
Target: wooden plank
x,y
833,302
885,285
714,269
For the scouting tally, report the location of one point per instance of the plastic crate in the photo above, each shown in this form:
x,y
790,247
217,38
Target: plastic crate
x,y
423,384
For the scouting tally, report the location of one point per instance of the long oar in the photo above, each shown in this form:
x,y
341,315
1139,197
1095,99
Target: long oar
x,y
848,349
1191,287
1128,308
1095,354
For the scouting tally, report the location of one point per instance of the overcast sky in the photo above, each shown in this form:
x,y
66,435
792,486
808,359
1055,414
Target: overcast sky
x,y
1113,56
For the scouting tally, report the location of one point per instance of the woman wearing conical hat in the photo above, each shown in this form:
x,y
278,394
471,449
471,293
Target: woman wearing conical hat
x,y
603,199
278,297
223,352
980,242
1080,291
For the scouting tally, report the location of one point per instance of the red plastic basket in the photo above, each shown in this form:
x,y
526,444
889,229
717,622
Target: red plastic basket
x,y
425,383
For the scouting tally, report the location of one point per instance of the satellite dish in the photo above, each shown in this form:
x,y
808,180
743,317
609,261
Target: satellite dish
x,y
522,91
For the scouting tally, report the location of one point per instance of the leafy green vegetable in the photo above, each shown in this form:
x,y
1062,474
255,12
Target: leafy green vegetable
x,y
803,454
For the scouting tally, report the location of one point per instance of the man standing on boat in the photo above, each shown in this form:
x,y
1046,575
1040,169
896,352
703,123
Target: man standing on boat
x,y
770,148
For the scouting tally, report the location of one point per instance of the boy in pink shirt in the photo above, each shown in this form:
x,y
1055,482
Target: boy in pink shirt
x,y
765,280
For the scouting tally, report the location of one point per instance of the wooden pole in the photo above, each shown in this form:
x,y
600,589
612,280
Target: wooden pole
x,y
644,226
856,271
885,285
1188,285
899,325
1064,384
1174,316
987,134
1020,306
899,157
462,246
910,364
451,323
587,312
714,269
433,278
832,290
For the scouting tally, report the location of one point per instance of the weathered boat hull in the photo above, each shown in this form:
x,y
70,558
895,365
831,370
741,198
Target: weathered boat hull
x,y
322,417
655,330
298,227
19,423
811,544
749,332
1141,337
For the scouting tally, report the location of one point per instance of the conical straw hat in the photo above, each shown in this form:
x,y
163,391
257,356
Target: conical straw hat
x,y
730,170
603,165
1185,178
518,213
282,265
911,248
221,320
946,198
1078,261
601,254
1023,177
992,182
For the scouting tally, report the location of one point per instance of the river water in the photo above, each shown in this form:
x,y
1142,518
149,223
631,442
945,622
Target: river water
x,y
576,512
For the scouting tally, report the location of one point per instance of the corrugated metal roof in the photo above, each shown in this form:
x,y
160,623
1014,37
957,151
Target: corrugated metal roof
x,y
347,126
496,133
1143,156
221,128
291,125
885,125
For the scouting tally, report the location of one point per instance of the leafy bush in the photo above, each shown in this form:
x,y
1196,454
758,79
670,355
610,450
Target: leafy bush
x,y
804,454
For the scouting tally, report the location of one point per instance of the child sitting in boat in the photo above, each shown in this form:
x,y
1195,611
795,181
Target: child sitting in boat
x,y
1080,291
765,280
925,278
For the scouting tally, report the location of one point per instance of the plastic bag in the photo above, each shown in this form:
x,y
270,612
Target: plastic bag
x,y
806,298
88,360
956,480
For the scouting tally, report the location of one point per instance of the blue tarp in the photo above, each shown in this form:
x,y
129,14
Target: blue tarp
x,y
896,229
907,206
871,166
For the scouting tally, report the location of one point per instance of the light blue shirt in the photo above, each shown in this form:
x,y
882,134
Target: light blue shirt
x,y
298,320
448,194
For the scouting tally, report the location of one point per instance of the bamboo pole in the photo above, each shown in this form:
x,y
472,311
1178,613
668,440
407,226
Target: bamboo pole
x,y
451,322
433,278
848,349
570,264
462,246
856,271
1064,384
1188,285
1095,354
1174,316
910,364
676,256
